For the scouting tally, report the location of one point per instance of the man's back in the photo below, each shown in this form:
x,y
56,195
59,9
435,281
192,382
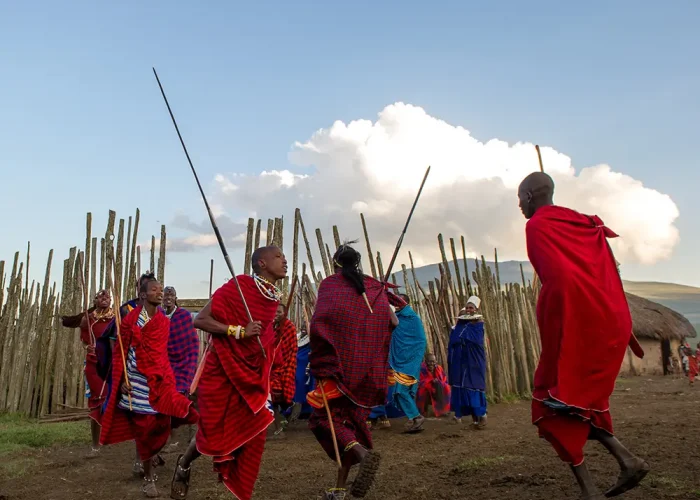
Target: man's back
x,y
582,310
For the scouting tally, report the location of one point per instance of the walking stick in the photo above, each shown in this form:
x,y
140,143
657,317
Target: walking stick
x,y
330,423
222,245
200,366
117,323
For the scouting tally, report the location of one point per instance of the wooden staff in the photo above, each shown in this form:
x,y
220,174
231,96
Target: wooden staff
x,y
200,366
330,423
214,226
539,156
85,304
117,323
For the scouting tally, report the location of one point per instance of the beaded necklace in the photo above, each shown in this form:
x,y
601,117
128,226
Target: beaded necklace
x,y
267,289
108,314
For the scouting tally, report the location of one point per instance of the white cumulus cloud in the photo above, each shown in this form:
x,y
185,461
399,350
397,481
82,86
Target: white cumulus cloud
x,y
375,168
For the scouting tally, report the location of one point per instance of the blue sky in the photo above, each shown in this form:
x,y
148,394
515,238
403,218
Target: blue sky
x,y
83,127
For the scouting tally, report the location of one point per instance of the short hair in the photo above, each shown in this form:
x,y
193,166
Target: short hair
x,y
258,255
169,289
405,298
144,280
282,305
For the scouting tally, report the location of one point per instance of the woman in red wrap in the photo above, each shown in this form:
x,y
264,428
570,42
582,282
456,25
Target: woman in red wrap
x,y
349,355
585,327
283,377
144,404
93,324
234,392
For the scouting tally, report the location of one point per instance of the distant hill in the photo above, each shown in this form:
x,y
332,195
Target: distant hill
x,y
681,298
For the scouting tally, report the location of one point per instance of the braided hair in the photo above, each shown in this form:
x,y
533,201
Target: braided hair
x,y
348,260
144,280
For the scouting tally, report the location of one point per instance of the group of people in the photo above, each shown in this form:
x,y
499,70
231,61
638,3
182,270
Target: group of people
x,y
689,362
364,343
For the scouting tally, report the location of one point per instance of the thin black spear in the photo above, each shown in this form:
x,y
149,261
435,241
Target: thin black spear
x,y
222,245
403,233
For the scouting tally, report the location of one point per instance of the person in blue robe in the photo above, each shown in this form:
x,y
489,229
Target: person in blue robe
x,y
467,365
406,353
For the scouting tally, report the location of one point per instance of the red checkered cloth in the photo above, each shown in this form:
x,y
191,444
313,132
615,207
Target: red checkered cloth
x,y
283,378
349,425
183,348
151,432
98,385
233,392
350,345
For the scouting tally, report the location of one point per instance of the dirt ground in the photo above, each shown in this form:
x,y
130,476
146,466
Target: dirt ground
x,y
659,419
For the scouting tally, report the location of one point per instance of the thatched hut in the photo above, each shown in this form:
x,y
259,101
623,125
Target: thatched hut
x,y
660,331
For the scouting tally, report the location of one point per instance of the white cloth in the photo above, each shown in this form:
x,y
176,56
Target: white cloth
x,y
474,300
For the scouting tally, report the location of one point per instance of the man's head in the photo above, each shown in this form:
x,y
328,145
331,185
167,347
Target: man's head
x,y
431,361
536,191
406,299
169,297
103,299
281,310
151,291
270,263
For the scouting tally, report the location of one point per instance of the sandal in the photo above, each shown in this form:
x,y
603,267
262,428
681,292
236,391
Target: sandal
x,y
335,494
181,478
149,488
366,475
414,426
629,478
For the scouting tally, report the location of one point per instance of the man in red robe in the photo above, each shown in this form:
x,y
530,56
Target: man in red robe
x,y
144,404
93,324
234,392
585,327
350,334
283,377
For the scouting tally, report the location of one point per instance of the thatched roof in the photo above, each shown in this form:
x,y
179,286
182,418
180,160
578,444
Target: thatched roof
x,y
651,320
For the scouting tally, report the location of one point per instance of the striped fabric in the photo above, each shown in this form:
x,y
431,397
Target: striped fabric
x,y
139,384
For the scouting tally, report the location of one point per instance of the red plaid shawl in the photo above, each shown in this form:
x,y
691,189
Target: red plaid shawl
x,y
151,344
283,378
348,344
183,348
234,389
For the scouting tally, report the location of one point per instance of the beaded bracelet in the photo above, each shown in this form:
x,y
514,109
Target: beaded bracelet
x,y
236,331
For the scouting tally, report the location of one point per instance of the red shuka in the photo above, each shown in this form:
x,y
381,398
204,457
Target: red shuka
x,y
350,345
151,432
98,385
283,378
584,321
234,389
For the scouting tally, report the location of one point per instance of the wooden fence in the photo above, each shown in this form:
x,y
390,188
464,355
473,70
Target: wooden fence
x,y
41,362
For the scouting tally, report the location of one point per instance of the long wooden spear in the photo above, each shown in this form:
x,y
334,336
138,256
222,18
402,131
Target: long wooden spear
x,y
405,228
214,226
